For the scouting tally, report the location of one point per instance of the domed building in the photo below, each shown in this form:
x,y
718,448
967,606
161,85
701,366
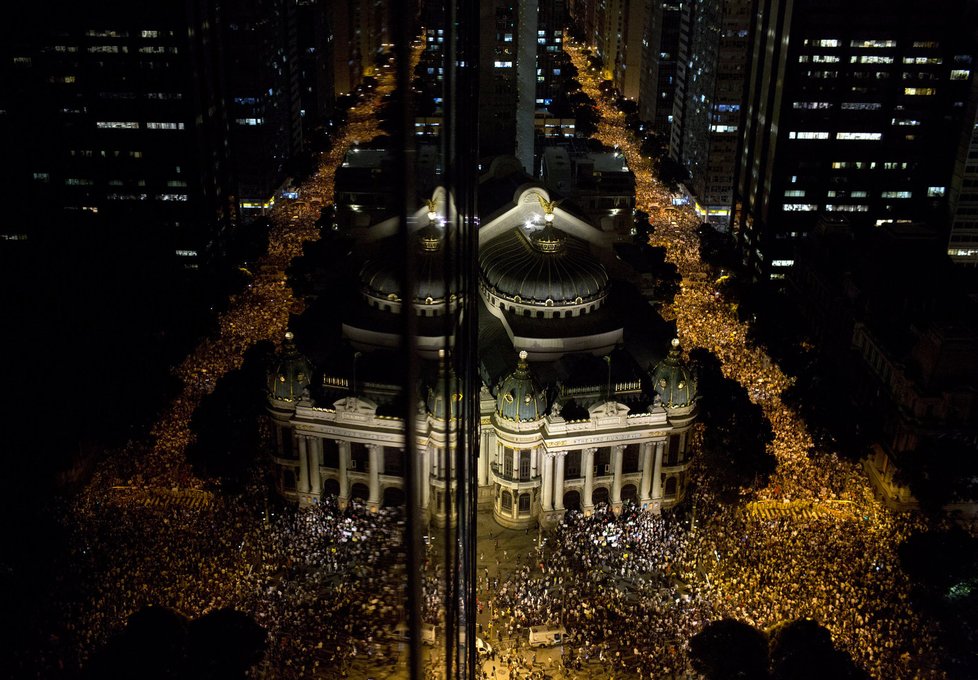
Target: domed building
x,y
569,418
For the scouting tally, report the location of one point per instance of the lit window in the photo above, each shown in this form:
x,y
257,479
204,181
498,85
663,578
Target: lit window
x,y
149,34
813,105
503,64
861,106
800,207
249,121
186,253
935,192
919,91
896,194
860,136
824,42
117,125
794,193
172,197
808,135
960,74
830,207
870,44
875,59
782,263
904,121
164,126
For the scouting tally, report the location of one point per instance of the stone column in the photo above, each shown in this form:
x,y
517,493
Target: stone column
x,y
616,462
657,475
559,481
315,447
344,456
279,441
546,482
303,465
373,502
646,472
587,460
484,459
425,477
535,455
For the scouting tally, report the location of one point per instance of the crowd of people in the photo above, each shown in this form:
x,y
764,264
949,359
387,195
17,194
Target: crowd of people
x,y
631,587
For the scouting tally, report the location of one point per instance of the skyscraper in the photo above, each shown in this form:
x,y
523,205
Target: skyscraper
x,y
851,109
115,129
706,111
263,90
660,47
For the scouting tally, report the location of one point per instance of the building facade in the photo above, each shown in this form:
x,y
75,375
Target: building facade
x,y
853,109
706,111
572,415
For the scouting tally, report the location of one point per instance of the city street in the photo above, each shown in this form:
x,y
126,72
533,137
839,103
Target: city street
x,y
632,589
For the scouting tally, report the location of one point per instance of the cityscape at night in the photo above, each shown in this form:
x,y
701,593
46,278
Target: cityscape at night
x,y
490,340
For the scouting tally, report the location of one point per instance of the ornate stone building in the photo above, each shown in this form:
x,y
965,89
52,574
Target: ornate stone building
x,y
575,409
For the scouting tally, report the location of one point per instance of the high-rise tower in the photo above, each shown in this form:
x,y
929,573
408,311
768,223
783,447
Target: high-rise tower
x,y
850,108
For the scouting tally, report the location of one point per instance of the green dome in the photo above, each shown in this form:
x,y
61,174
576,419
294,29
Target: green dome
x,y
545,267
292,374
381,277
518,397
673,381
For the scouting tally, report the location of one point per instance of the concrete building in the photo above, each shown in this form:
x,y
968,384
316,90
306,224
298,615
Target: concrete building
x,y
599,183
660,51
706,112
115,128
852,108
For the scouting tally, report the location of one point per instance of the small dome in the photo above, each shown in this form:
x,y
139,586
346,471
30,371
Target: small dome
x,y
380,276
673,381
446,384
518,396
292,374
547,267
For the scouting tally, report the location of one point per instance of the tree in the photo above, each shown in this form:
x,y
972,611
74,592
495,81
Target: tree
x,y
728,649
736,431
803,650
586,120
937,561
160,644
796,650
226,421
940,470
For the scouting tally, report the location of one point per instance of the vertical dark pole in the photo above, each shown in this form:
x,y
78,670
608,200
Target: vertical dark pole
x,y
460,151
402,29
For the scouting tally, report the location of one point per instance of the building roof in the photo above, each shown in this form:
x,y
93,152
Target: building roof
x,y
544,266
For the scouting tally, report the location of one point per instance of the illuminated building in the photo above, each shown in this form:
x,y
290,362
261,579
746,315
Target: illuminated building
x,y
660,49
706,112
574,411
521,62
262,75
963,244
852,108
107,135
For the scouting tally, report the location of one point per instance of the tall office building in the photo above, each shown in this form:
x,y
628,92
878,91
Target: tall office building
x,y
706,112
660,48
114,129
521,67
850,108
963,243
263,90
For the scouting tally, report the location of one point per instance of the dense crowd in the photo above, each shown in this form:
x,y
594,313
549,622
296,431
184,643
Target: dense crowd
x,y
632,588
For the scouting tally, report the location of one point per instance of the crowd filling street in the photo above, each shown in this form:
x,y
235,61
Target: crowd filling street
x,y
630,588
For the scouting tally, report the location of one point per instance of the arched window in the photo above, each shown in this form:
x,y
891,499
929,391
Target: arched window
x,y
671,483
507,500
524,503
